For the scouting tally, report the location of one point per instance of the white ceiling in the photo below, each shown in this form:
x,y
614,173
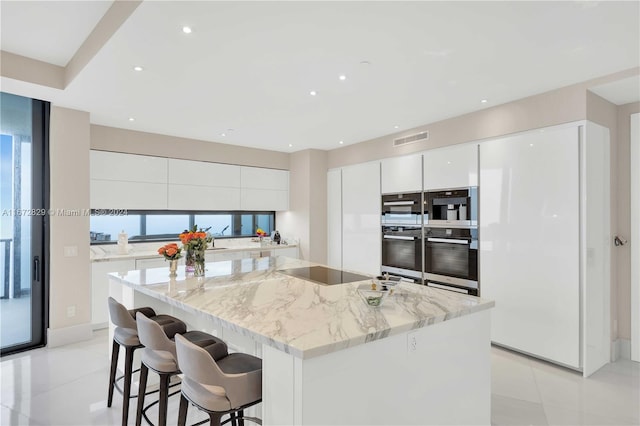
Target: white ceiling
x,y
249,66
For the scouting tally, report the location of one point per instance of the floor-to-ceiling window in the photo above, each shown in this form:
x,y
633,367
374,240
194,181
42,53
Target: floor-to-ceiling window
x,y
24,127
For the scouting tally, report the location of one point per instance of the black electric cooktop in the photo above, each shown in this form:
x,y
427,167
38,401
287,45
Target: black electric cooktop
x,y
324,275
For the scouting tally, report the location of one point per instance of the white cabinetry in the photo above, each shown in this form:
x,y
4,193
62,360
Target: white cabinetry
x,y
264,189
154,262
140,182
334,218
531,241
198,185
361,218
402,174
100,288
451,167
126,181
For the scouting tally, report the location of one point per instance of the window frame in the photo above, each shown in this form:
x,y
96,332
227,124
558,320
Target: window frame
x,y
236,219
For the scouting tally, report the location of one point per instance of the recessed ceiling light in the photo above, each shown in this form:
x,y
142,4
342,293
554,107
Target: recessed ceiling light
x,y
132,119
484,101
365,63
138,68
341,142
223,134
342,77
395,127
313,93
186,30
290,145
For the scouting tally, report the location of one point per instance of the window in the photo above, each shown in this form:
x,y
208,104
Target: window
x,y
162,225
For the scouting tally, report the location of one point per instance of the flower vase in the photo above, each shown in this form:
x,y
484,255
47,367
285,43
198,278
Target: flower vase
x,y
198,268
173,267
189,260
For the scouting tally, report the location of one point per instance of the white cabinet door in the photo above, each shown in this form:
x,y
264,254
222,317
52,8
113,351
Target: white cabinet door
x,y
402,174
361,245
201,173
220,255
287,252
529,242
153,262
264,199
100,288
258,178
334,218
112,194
127,167
451,167
192,197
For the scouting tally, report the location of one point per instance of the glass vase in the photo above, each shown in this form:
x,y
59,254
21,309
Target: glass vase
x,y
198,268
173,268
189,260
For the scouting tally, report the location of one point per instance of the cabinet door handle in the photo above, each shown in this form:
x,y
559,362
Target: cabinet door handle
x,y
447,240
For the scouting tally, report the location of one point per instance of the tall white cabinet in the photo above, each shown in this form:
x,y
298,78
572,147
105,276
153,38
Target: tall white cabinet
x,y
544,242
354,209
451,167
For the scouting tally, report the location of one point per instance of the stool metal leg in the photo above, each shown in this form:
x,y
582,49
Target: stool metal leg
x,y
115,351
144,372
214,419
163,399
126,392
182,411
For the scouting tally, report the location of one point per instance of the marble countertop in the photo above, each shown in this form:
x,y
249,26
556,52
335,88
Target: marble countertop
x,y
296,316
147,250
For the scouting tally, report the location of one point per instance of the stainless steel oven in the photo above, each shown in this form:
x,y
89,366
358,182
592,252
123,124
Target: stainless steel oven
x,y
451,259
402,209
402,251
455,207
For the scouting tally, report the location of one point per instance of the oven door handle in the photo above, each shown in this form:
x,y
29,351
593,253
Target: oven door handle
x,y
398,203
399,237
447,240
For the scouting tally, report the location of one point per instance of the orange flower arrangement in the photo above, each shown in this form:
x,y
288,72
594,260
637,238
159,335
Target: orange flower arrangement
x,y
170,251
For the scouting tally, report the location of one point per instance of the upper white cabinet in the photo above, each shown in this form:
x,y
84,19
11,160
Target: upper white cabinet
x,y
264,189
451,167
127,167
201,173
198,185
257,178
140,182
114,194
361,248
126,181
402,174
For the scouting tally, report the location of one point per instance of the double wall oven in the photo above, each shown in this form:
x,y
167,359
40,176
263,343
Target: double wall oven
x,y
432,238
402,248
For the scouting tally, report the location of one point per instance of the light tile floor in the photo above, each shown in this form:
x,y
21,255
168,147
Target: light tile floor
x,y
68,386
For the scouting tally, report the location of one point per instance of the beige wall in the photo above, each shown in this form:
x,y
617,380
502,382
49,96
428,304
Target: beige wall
x,y
307,218
122,140
623,253
70,277
605,113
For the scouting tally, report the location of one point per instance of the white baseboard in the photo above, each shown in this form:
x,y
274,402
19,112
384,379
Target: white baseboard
x,y
621,349
67,335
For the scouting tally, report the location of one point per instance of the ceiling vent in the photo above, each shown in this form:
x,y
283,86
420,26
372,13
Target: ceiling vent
x,y
422,136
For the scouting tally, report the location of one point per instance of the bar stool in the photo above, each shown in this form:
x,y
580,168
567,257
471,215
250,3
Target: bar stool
x,y
126,335
159,355
226,386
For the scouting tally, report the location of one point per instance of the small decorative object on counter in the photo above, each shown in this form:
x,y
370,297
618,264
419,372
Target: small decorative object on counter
x,y
261,234
195,242
276,237
123,242
172,253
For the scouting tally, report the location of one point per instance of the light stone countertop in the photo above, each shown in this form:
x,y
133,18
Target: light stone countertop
x,y
146,250
298,317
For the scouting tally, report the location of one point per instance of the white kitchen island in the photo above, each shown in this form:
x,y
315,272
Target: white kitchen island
x,y
423,357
